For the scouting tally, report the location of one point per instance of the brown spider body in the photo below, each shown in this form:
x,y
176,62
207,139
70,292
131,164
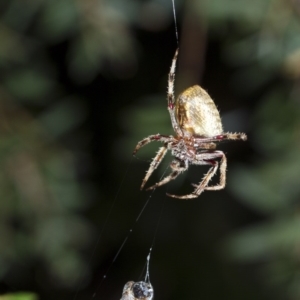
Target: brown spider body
x,y
198,127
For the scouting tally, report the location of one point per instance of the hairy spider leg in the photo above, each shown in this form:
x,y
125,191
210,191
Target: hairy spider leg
x,y
177,168
210,159
222,137
222,168
234,136
152,138
171,97
155,163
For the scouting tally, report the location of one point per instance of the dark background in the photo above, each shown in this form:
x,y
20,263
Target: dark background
x,y
81,82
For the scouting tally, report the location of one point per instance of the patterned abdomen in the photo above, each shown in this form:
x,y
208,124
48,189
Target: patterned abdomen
x,y
197,114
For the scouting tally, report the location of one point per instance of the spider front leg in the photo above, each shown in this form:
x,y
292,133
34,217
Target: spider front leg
x,y
210,159
209,175
151,138
154,164
160,154
178,166
222,183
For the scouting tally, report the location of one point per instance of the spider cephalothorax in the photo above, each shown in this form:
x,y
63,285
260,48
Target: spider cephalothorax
x,y
198,127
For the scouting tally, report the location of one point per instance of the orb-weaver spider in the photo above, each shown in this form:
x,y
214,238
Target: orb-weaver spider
x,y
198,127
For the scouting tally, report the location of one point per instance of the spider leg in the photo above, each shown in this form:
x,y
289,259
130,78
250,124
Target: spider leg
x,y
202,186
221,185
171,97
222,137
206,179
151,138
177,167
154,164
235,136
211,172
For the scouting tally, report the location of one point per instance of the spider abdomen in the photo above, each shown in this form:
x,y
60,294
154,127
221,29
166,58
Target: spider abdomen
x,y
197,113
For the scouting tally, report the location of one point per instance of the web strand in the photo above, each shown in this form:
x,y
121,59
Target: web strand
x,y
125,241
147,276
104,226
175,22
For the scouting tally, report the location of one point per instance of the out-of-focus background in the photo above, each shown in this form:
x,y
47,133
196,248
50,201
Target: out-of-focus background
x,y
81,82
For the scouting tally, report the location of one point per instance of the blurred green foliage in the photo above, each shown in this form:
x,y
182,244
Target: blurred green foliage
x,y
19,296
47,50
41,139
40,194
268,50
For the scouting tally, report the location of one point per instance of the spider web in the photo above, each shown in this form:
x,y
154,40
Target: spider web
x,y
105,225
108,217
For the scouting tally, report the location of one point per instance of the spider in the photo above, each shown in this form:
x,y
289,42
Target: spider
x,y
198,128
